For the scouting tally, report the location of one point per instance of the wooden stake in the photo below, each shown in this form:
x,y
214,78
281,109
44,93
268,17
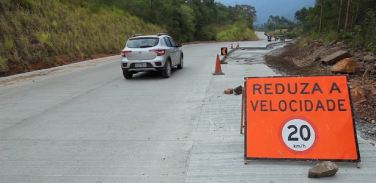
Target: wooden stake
x,y
242,113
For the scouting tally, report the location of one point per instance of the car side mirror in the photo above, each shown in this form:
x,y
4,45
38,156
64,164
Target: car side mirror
x,y
179,45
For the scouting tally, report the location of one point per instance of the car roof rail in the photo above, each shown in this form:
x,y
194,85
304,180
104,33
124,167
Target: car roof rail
x,y
161,34
135,35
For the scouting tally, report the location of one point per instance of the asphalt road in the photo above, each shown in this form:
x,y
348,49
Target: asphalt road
x,y
86,123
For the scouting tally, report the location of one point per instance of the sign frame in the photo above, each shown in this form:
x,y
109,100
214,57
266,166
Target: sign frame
x,y
244,111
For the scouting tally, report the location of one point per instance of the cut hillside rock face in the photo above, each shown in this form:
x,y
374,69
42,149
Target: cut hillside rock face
x,y
324,169
347,65
298,60
335,57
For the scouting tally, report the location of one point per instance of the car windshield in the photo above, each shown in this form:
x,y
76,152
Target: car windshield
x,y
142,42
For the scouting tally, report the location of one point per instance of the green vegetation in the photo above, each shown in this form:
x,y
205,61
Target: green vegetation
x,y
352,21
185,20
277,25
236,32
55,31
34,31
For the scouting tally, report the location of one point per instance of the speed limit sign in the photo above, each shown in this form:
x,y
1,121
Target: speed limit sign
x,y
299,118
298,134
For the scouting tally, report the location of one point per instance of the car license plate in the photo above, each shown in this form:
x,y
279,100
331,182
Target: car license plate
x,y
140,65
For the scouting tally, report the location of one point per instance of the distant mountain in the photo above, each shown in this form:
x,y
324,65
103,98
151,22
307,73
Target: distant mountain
x,y
265,8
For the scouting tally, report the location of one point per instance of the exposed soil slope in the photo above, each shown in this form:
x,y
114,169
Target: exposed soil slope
x,y
296,59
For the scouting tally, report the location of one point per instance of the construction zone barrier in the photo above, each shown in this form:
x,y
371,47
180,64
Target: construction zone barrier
x,y
224,51
299,118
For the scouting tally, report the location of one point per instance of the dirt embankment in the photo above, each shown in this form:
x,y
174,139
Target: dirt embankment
x,y
308,59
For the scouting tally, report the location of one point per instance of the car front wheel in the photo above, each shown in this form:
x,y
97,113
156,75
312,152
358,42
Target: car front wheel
x,y
127,74
166,72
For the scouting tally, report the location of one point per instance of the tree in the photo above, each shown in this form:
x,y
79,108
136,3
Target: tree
x,y
339,16
187,22
351,20
321,16
301,15
348,15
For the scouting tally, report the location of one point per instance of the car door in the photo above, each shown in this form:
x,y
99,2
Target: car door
x,y
171,50
176,51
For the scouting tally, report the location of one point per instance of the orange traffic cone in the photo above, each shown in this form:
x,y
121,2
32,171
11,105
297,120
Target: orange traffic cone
x,y
237,45
232,47
218,69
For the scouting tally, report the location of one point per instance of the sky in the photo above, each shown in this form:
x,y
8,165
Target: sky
x,y
264,8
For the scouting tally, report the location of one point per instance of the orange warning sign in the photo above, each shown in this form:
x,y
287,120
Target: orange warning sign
x,y
224,51
305,118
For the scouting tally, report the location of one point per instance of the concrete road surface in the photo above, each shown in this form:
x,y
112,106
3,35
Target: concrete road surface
x,y
86,123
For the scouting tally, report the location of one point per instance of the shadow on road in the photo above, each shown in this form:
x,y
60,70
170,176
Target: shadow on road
x,y
153,75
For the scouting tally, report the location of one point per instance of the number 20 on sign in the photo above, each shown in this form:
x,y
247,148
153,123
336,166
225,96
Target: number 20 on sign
x,y
298,134
302,118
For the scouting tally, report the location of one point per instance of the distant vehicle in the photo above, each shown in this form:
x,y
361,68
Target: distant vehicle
x,y
144,53
281,37
269,38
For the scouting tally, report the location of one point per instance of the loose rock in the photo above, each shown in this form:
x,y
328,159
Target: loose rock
x,y
323,169
335,57
369,58
347,65
340,43
317,44
229,91
332,43
238,90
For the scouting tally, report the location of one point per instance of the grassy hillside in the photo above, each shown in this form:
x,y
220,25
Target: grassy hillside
x,y
48,32
37,34
236,33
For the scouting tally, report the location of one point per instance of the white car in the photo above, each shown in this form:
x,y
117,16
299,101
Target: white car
x,y
144,53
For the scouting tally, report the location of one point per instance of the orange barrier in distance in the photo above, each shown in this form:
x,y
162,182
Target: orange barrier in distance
x,y
223,50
